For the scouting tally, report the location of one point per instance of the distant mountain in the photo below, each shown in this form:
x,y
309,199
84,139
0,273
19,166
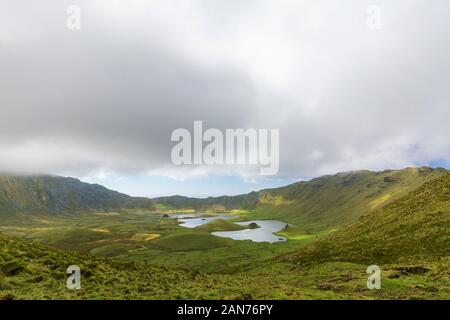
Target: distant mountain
x,y
404,230
51,194
322,202
244,201
415,226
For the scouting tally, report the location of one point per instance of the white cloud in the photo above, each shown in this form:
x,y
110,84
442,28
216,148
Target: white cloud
x,y
107,97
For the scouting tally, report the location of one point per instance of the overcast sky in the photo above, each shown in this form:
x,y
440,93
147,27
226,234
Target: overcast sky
x,y
100,103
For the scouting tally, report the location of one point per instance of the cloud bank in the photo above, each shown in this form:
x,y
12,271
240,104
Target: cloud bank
x,y
107,97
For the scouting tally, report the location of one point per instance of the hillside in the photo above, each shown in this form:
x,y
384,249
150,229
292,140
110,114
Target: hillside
x,y
415,227
29,270
221,225
51,194
408,238
323,202
245,201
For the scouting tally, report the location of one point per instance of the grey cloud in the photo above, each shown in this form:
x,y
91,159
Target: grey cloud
x,y
109,95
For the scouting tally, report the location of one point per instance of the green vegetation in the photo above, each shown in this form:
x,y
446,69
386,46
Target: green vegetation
x,y
322,203
334,201
338,226
412,228
122,236
30,270
221,225
49,194
293,231
213,204
183,240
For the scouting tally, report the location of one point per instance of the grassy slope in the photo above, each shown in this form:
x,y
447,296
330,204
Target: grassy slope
x,y
188,239
337,200
115,236
30,270
408,238
244,201
414,227
322,203
221,225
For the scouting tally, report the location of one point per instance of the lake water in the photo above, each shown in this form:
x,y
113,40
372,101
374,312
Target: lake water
x,y
263,234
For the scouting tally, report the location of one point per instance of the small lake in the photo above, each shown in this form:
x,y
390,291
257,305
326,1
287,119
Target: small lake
x,y
265,232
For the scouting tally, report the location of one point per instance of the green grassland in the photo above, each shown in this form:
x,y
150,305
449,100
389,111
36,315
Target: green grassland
x,y
186,240
131,253
123,236
29,270
334,201
415,227
221,225
323,203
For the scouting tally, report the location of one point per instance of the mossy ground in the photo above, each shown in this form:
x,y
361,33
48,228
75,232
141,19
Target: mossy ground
x,y
220,225
31,271
114,236
408,239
